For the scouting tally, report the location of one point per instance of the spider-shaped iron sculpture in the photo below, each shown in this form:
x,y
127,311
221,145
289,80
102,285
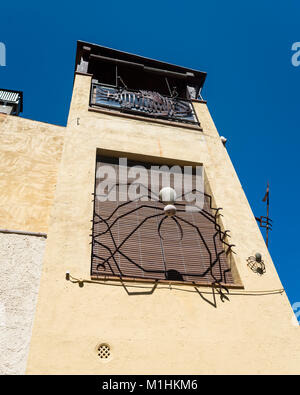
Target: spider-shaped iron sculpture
x,y
169,212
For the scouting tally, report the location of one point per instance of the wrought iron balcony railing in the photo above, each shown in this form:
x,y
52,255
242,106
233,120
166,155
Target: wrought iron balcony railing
x,y
146,103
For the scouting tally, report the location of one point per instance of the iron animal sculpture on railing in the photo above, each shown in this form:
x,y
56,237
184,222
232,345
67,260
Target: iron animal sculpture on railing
x,y
145,101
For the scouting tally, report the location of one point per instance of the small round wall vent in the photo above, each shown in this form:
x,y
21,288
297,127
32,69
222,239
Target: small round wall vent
x,y
104,351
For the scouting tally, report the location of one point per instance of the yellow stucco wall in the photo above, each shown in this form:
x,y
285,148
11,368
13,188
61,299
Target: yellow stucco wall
x,y
173,330
30,154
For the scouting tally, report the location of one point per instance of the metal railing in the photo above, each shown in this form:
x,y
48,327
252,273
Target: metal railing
x,y
146,103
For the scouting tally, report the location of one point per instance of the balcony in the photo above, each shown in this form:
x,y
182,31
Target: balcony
x,y
143,102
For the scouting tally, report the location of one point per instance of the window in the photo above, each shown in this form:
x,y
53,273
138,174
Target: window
x,y
133,238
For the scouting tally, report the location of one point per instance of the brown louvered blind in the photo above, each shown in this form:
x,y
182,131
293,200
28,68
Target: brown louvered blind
x,y
126,241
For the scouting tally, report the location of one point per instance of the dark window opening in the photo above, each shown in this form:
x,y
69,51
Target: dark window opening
x,y
135,78
104,73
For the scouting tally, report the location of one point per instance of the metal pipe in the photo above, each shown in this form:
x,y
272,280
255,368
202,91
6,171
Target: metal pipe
x,y
23,232
169,73
117,61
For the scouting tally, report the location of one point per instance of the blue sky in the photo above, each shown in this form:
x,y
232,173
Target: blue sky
x,y
252,87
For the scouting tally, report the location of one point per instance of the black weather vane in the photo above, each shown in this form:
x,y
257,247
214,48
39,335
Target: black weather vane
x,y
265,221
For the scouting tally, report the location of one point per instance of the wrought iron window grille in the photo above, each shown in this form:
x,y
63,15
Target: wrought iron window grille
x,y
109,266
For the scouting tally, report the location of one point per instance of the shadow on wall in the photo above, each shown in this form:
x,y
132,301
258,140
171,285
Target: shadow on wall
x,y
217,289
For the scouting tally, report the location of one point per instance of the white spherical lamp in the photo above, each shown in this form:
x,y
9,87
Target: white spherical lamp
x,y
170,210
167,195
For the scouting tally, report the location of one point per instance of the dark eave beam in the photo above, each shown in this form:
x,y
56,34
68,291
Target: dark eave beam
x,y
166,73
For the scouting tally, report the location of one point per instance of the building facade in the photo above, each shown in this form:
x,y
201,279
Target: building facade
x,y
122,286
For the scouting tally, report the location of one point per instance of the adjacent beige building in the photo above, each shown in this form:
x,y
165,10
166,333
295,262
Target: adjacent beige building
x,y
69,320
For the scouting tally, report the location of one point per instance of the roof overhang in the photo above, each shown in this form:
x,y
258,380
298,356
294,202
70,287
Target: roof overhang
x,y
87,51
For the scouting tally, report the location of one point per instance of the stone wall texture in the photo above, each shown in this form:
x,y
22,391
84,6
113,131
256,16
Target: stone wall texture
x,y
20,269
30,153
